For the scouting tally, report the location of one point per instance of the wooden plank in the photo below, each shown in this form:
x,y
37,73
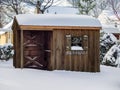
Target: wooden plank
x,y
94,49
67,61
91,51
16,30
98,51
59,49
14,43
63,49
53,54
81,55
85,55
97,61
50,28
50,47
21,43
18,49
78,59
74,58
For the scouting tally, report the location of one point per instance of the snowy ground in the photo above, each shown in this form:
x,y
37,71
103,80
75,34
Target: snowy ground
x,y
31,79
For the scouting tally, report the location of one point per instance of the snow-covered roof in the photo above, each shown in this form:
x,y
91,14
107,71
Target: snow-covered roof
x,y
57,20
110,29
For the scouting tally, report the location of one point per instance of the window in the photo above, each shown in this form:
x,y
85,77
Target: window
x,y
73,42
76,44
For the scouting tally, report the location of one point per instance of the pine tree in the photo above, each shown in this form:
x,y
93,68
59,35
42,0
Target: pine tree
x,y
85,6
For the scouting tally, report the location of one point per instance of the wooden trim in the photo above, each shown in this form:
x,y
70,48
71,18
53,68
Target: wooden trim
x,y
15,24
14,43
21,49
50,28
16,32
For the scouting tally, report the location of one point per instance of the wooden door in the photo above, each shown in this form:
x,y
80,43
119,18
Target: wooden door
x,y
34,50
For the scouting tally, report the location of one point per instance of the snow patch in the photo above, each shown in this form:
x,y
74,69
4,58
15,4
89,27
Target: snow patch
x,y
76,48
32,79
29,79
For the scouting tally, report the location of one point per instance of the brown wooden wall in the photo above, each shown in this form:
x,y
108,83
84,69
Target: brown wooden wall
x,y
59,60
88,61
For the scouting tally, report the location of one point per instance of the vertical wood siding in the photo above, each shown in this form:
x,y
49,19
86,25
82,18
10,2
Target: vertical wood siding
x,y
88,61
59,59
58,49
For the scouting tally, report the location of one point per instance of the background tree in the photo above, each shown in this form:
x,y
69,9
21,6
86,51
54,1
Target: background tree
x,y
9,8
41,5
14,7
115,5
100,5
94,7
84,6
74,3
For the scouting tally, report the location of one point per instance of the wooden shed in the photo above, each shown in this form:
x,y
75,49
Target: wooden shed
x,y
56,42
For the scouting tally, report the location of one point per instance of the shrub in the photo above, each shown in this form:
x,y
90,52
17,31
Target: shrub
x,y
112,57
106,42
6,52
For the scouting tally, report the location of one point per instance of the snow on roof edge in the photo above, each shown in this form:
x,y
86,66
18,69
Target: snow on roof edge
x,y
57,20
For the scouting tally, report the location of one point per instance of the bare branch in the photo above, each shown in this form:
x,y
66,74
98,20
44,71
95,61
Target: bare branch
x,y
49,4
115,11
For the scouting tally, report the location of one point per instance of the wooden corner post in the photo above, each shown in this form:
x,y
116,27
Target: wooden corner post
x,y
21,44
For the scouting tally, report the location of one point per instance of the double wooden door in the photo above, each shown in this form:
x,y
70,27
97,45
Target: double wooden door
x,y
36,43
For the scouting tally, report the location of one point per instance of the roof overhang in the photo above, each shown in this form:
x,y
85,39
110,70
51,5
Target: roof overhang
x,y
50,28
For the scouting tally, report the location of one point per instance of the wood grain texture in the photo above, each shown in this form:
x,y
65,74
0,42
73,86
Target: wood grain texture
x,y
51,28
59,49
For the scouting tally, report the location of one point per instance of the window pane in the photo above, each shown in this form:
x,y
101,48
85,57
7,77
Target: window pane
x,y
76,43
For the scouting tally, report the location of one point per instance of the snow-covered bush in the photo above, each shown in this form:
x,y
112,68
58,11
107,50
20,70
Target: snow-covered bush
x,y
6,51
106,42
112,57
